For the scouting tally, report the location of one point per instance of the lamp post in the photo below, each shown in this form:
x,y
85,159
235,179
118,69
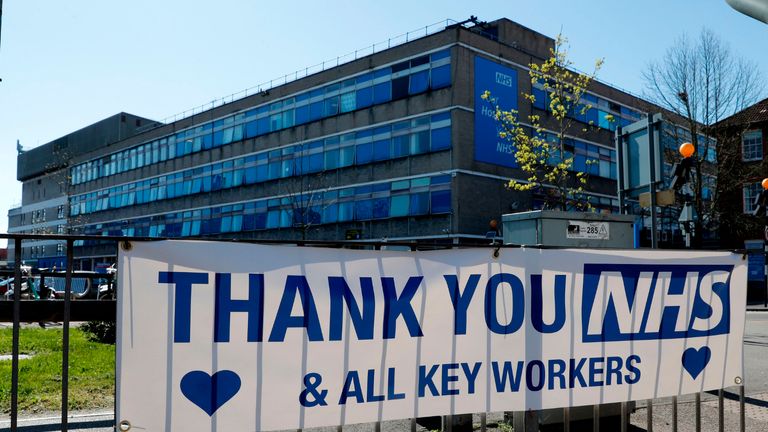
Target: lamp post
x,y
682,171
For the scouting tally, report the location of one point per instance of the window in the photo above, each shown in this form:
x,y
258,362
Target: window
x,y
752,145
750,192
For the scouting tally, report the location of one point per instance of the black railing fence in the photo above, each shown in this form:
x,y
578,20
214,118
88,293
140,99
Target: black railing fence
x,y
48,295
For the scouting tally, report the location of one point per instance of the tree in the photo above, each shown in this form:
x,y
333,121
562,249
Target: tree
x,y
702,81
306,197
541,155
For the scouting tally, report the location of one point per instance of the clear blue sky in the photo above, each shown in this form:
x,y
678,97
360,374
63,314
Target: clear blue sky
x,y
67,64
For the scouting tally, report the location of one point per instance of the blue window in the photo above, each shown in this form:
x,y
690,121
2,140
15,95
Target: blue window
x,y
364,209
399,88
399,205
316,110
263,125
441,77
331,106
364,153
419,203
364,97
346,211
330,213
382,93
302,114
419,82
441,202
400,146
332,159
441,138
440,55
381,208
348,102
381,150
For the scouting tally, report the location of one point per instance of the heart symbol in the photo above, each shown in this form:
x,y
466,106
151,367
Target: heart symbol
x,y
695,360
210,392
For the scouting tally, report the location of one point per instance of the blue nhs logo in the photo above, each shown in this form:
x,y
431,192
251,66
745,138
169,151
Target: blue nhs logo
x,y
504,79
647,302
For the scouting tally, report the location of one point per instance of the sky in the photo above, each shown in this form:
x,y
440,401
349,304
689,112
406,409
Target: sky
x,y
67,64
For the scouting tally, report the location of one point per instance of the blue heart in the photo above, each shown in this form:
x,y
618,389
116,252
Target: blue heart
x,y
695,360
210,392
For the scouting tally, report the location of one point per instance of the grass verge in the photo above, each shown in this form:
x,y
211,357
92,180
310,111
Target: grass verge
x,y
91,371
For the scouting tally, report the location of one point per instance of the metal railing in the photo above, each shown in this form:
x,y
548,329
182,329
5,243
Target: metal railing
x,y
68,308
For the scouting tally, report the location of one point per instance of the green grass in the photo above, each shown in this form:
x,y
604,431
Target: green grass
x,y
91,371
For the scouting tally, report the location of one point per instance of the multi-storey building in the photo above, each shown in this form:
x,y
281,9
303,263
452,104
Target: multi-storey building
x,y
395,145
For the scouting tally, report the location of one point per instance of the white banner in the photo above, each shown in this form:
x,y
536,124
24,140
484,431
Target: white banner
x,y
232,337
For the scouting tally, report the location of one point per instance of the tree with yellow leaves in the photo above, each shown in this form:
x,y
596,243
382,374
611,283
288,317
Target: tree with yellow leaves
x,y
540,149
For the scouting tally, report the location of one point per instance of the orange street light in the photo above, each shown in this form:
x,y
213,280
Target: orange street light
x,y
687,150
765,183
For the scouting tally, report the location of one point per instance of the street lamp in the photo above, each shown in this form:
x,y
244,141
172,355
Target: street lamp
x,y
682,172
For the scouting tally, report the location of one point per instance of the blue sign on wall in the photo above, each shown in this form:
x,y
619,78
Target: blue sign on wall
x,y
756,262
501,81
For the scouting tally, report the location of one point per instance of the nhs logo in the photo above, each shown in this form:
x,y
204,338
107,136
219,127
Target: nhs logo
x,y
646,302
503,79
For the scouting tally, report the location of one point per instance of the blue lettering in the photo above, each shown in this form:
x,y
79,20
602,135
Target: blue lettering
x,y
556,373
182,308
634,373
539,374
537,305
507,378
371,395
575,373
224,307
351,389
391,395
361,321
595,370
449,378
461,300
471,375
283,320
395,306
518,303
614,369
426,380
650,302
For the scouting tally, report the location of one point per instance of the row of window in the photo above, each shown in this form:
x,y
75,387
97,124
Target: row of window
x,y
382,85
423,134
603,113
588,158
414,197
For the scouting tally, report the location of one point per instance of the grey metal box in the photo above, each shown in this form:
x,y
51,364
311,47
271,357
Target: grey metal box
x,y
569,229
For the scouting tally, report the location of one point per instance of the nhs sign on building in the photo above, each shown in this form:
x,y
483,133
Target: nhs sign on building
x,y
501,81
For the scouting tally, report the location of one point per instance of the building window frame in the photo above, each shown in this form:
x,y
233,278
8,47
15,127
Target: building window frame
x,y
752,145
749,192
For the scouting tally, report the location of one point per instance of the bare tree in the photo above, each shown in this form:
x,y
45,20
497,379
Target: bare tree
x,y
306,196
703,82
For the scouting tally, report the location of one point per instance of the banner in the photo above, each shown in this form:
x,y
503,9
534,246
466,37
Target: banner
x,y
501,81
228,336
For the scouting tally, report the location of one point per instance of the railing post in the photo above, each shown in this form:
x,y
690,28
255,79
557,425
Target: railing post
x,y
720,411
65,337
649,417
15,343
698,412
